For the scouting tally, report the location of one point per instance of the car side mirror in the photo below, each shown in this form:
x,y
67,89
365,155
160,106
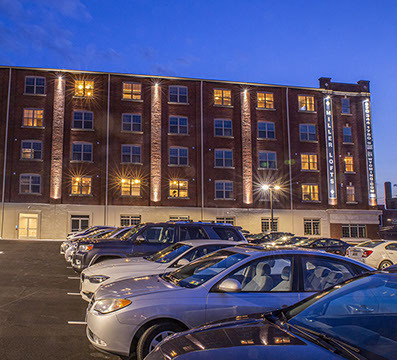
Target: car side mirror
x,y
139,239
182,262
229,285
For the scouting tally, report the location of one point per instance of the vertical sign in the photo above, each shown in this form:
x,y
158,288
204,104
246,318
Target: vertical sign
x,y
329,145
369,151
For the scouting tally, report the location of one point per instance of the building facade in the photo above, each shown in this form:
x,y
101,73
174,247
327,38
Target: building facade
x,y
82,148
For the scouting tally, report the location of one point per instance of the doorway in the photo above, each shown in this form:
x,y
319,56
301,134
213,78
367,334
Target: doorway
x,y
28,226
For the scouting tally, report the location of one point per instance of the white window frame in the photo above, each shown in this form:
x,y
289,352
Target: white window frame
x,y
178,95
79,218
35,85
223,97
266,152
178,125
344,107
31,142
352,193
223,158
80,187
83,121
132,91
132,219
179,217
351,135
130,147
223,127
266,123
178,189
306,102
311,226
34,118
82,143
357,227
178,157
265,93
307,133
311,193
131,116
265,224
225,220
29,184
224,182
132,185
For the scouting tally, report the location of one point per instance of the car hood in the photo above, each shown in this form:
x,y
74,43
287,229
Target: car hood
x,y
136,286
123,266
260,338
101,242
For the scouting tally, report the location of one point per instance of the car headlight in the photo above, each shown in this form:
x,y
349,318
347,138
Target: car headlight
x,y
106,306
85,248
97,279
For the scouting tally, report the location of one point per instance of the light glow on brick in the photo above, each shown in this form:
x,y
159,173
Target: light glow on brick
x,y
155,152
246,133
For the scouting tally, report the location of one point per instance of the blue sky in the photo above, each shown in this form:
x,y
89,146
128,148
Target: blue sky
x,y
283,42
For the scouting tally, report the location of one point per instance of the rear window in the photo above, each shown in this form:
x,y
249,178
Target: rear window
x,y
227,233
370,244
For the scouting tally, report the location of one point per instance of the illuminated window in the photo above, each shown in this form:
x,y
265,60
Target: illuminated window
x,y
347,135
223,127
81,185
81,151
349,164
310,193
225,220
31,150
131,122
307,132
222,97
345,105
178,94
83,88
266,130
83,120
350,194
178,125
132,91
223,189
130,187
34,85
267,160
265,224
33,117
29,184
309,162
131,154
265,100
178,188
178,156
306,103
130,220
311,226
354,231
223,158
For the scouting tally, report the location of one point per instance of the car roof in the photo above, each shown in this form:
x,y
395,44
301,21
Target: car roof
x,y
194,223
196,243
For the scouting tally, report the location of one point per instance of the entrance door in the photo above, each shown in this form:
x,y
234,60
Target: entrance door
x,y
27,228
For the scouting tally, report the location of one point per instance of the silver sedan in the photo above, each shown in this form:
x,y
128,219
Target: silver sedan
x,y
130,317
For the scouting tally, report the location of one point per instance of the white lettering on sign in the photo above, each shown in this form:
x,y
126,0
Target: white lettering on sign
x,y
329,141
369,147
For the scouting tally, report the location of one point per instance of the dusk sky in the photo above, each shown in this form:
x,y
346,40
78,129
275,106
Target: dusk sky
x,y
276,42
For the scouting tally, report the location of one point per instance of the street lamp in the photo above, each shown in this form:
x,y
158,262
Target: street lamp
x,y
271,188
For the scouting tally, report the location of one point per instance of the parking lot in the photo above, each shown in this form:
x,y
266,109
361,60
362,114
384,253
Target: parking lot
x,y
37,300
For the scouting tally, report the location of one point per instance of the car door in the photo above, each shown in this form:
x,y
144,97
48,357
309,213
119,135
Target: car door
x,y
155,238
267,283
391,250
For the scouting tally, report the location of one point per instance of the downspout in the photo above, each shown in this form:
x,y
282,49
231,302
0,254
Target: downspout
x,y
5,155
289,163
202,149
107,155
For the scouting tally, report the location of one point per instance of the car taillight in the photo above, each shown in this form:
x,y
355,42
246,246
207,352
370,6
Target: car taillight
x,y
367,253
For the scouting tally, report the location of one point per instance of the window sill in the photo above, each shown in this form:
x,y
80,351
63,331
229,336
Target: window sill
x,y
77,129
224,199
350,172
224,106
81,161
36,160
272,169
178,134
32,127
310,141
177,103
35,94
346,114
224,167
82,195
311,171
348,143
131,196
178,197
266,109
312,201
131,163
176,165
133,100
36,194
307,112
266,139
351,202
224,136
131,132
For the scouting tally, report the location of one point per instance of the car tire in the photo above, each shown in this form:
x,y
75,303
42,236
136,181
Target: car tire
x,y
384,264
154,335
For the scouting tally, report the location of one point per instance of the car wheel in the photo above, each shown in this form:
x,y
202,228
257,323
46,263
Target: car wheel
x,y
153,336
384,264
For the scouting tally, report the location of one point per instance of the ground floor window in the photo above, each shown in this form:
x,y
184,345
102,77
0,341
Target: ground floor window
x,y
265,224
179,218
79,222
130,220
226,220
354,231
311,226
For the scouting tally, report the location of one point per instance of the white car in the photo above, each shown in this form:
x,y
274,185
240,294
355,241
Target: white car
x,y
379,254
166,260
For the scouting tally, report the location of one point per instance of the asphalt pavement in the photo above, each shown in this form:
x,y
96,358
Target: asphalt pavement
x,y
38,299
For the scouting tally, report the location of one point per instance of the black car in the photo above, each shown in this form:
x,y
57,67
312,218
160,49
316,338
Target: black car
x,y
268,237
353,320
334,246
146,239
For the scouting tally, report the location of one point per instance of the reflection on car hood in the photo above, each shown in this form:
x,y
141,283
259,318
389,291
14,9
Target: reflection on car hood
x,y
101,241
135,286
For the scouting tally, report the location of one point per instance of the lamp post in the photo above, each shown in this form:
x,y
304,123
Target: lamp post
x,y
271,188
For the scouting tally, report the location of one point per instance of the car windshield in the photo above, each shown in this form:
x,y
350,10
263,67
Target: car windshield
x,y
169,253
200,271
361,313
370,244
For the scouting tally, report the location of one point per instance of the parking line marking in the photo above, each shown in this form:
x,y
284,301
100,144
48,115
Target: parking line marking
x,y
1,252
73,277
75,294
77,322
69,267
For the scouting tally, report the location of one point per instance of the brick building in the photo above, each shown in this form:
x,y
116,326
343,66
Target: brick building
x,y
81,147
